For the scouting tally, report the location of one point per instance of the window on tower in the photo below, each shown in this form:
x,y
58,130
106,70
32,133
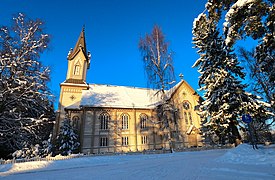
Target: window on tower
x,y
77,69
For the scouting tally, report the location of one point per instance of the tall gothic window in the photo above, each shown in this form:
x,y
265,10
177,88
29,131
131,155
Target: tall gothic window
x,y
104,120
125,121
187,112
143,121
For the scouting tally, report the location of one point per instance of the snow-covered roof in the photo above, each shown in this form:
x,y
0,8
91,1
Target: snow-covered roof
x,y
119,97
122,96
112,96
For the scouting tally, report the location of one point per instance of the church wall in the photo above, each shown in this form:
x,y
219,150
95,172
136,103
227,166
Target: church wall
x,y
150,137
186,94
88,131
138,139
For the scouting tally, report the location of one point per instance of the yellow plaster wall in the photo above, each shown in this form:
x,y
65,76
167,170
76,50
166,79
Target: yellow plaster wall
x,y
186,93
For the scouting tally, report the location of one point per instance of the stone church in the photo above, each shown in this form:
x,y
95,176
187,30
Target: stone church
x,y
119,118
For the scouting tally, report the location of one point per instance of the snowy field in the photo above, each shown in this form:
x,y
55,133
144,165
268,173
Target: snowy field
x,y
239,163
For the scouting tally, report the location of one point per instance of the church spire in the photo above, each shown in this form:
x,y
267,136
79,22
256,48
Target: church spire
x,y
78,61
80,45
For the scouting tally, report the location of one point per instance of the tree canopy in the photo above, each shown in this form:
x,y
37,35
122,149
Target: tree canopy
x,y
25,100
222,76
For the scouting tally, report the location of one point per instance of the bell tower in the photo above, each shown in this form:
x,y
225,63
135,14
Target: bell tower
x,y
78,61
71,89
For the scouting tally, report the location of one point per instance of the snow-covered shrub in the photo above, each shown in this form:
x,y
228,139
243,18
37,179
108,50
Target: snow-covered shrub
x,y
32,151
67,139
47,148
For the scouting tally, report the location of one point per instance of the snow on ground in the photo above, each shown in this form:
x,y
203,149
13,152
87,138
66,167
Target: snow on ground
x,y
239,163
244,154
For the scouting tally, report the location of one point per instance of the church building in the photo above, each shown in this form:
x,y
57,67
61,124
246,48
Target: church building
x,y
112,118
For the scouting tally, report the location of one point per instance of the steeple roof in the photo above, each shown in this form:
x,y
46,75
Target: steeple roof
x,y
80,45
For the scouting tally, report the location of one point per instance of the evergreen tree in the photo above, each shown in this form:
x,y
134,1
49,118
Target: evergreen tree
x,y
221,74
219,71
255,19
67,139
265,53
25,101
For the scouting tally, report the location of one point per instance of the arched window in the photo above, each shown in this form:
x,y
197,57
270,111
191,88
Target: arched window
x,y
187,112
143,121
125,121
104,120
77,69
75,121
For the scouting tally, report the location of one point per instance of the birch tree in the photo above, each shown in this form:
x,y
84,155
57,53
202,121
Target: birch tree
x,y
158,65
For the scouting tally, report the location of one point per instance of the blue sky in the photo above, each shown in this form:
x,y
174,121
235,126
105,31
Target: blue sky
x,y
113,29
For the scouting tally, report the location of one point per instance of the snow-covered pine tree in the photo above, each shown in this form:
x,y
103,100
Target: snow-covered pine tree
x,y
67,139
158,65
47,147
219,71
265,52
25,101
255,19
